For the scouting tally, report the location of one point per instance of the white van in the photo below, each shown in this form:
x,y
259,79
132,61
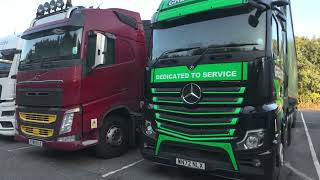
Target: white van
x,y
10,50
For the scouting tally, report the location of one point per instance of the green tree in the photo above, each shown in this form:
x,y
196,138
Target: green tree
x,y
308,51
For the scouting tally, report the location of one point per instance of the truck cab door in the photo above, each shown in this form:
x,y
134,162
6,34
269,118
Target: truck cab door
x,y
100,85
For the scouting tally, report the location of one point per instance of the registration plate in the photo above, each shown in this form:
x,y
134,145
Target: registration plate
x,y
35,143
190,164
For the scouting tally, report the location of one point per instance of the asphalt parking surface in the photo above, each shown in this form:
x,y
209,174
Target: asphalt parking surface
x,y
23,162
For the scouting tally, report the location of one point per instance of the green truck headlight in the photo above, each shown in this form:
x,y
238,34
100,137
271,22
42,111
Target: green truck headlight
x,y
253,140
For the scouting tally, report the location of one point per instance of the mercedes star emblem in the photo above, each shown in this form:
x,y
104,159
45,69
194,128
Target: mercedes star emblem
x,y
191,94
191,67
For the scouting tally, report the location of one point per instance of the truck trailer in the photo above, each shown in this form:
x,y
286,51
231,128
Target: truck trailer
x,y
221,87
80,79
10,49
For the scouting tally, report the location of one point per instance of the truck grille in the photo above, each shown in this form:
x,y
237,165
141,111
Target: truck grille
x,y
214,117
37,132
38,118
212,121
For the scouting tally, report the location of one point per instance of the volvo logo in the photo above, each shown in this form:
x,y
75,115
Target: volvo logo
x,y
36,77
191,93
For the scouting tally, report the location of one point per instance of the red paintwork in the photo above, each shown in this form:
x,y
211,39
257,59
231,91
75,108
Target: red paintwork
x,y
71,77
104,89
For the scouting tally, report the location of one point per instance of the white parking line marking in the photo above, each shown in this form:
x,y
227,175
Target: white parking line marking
x,y
313,152
123,168
28,147
296,171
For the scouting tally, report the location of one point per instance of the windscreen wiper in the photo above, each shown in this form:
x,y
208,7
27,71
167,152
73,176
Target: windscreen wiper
x,y
232,45
173,51
210,47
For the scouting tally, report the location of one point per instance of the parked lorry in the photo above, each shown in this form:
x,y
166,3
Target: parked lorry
x,y
80,79
10,49
221,92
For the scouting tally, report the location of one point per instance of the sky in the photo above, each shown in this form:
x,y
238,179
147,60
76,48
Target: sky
x,y
16,15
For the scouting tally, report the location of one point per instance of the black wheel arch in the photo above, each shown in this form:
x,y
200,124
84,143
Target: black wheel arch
x,y
126,113
122,111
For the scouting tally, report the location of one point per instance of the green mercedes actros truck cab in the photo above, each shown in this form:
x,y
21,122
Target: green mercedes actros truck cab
x,y
221,87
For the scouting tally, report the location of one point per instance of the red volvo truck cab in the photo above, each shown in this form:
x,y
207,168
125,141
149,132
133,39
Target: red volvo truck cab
x,y
80,79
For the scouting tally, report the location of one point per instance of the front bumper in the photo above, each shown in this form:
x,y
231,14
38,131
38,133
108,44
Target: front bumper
x,y
43,124
217,167
55,145
7,123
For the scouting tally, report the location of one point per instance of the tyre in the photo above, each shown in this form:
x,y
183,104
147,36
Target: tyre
x,y
279,163
274,172
280,156
287,135
294,119
113,138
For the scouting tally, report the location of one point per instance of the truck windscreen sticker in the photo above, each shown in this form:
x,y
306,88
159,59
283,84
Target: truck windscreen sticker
x,y
75,50
208,72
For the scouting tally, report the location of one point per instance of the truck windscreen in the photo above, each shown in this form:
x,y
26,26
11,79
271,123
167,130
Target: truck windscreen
x,y
217,32
5,63
55,45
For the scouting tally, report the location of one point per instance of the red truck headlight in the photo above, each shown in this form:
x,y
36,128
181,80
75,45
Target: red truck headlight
x,y
66,125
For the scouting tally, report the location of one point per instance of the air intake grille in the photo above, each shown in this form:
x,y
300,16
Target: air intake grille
x,y
37,132
38,118
214,117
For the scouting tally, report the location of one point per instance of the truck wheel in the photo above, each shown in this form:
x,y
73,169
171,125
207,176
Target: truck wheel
x,y
289,138
280,157
275,170
279,162
277,165
294,119
287,132
113,138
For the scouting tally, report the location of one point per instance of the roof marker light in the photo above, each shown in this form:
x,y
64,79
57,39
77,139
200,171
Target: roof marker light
x,y
47,7
60,4
53,5
40,10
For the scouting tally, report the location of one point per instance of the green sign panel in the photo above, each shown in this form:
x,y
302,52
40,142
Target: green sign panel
x,y
208,72
170,9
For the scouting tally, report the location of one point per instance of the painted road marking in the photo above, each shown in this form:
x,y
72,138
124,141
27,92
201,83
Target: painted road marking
x,y
296,171
17,149
123,168
313,152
